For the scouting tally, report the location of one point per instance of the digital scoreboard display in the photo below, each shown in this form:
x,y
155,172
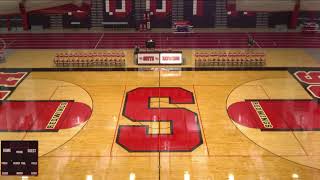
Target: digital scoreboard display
x,y
19,158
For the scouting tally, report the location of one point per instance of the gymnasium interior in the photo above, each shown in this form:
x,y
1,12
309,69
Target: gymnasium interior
x,y
160,89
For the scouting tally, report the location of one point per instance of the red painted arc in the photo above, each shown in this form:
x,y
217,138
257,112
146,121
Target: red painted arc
x,y
35,115
282,114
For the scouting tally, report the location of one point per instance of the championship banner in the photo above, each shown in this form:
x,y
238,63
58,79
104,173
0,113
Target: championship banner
x,y
148,58
118,8
198,8
159,8
171,58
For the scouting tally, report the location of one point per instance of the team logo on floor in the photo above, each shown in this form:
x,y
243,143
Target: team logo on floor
x,y
310,80
185,132
9,81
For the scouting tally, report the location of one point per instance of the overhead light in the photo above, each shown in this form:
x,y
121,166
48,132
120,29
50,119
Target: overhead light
x,y
186,175
230,177
245,12
132,176
229,12
295,176
89,177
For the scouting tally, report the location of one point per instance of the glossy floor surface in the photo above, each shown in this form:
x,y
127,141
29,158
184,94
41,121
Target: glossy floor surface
x,y
165,123
172,124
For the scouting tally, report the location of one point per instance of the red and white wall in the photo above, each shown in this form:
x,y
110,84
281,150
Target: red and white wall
x,y
151,5
123,13
111,9
197,7
160,17
200,12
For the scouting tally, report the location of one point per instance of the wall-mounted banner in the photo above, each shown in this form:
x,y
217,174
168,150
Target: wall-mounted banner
x,y
160,58
148,58
170,58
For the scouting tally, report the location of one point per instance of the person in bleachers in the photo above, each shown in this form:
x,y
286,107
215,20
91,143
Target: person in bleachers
x,y
136,49
251,41
136,52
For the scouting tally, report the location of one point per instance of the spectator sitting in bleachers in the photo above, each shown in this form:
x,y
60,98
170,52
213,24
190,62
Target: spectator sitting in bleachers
x,y
251,41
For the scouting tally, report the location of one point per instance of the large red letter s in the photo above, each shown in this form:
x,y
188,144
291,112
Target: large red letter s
x,y
185,129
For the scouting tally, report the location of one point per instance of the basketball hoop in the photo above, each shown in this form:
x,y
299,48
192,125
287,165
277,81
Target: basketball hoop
x,y
2,50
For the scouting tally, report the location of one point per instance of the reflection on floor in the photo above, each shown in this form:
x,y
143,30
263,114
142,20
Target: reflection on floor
x,y
277,115
42,115
194,101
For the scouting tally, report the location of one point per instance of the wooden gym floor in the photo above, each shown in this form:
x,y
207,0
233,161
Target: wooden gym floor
x,y
228,150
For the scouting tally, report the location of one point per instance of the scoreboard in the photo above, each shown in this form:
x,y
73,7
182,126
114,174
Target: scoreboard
x,y
19,158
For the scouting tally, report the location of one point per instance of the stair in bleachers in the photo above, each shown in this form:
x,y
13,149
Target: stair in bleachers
x,y
97,13
56,21
177,10
3,24
262,20
15,23
140,8
221,13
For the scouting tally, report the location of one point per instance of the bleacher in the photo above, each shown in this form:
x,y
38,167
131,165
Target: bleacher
x,y
90,59
310,27
2,50
2,55
230,58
